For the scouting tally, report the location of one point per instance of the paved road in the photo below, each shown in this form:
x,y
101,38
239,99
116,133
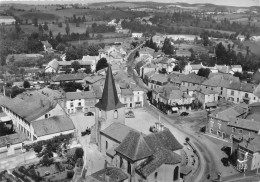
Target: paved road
x,y
208,163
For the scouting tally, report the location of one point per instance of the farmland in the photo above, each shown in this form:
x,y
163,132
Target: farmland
x,y
253,46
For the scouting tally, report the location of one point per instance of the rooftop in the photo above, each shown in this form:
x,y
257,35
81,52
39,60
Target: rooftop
x,y
69,77
80,95
12,139
117,131
245,124
55,124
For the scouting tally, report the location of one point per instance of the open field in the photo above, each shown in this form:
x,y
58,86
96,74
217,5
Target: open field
x,y
254,47
196,48
95,41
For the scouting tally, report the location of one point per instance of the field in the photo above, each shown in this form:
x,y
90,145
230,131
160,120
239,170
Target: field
x,y
119,4
196,48
230,17
254,47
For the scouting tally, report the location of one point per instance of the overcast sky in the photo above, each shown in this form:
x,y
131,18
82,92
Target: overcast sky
x,y
245,3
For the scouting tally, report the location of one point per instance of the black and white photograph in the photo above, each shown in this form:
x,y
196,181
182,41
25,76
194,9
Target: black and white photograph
x,y
129,90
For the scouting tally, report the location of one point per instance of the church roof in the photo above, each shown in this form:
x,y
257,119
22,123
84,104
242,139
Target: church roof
x,y
134,147
109,100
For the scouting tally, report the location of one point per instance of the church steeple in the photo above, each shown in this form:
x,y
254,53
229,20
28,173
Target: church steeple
x,y
109,100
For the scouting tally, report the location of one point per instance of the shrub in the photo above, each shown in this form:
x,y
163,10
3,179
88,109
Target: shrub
x,y
79,153
70,174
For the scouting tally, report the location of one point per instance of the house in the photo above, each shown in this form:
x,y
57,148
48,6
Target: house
x,y
207,97
218,121
236,68
241,38
157,80
165,64
30,107
256,77
63,78
191,79
80,101
91,80
192,68
171,99
137,35
220,83
242,92
46,46
246,151
7,20
146,51
147,68
10,144
52,66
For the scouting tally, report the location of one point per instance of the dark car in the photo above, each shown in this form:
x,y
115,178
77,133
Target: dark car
x,y
225,161
89,114
184,114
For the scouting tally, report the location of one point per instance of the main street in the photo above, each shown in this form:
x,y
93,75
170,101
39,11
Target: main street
x,y
208,159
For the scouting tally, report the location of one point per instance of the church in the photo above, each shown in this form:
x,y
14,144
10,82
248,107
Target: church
x,y
133,155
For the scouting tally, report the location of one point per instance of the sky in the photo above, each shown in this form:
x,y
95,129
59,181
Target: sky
x,y
241,3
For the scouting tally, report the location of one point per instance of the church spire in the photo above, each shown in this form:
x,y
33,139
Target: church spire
x,y
109,100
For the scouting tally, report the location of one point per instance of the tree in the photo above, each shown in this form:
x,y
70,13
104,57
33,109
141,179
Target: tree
x,y
46,160
204,72
78,153
26,84
45,26
35,22
61,47
94,25
100,37
50,34
87,33
18,28
102,63
76,66
168,47
40,28
37,148
70,174
88,70
73,53
67,29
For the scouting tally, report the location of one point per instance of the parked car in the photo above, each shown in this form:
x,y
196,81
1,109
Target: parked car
x,y
184,114
130,114
89,114
87,132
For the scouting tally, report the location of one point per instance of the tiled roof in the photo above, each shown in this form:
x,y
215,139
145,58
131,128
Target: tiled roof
x,y
109,100
161,156
93,79
53,64
12,139
245,87
134,147
192,78
231,112
47,44
112,173
55,124
29,106
206,91
80,95
220,80
163,139
117,131
252,144
69,77
125,92
159,78
245,124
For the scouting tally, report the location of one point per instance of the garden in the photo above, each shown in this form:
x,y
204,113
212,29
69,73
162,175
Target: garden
x,y
58,162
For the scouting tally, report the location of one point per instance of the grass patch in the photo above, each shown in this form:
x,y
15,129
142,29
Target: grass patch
x,y
254,47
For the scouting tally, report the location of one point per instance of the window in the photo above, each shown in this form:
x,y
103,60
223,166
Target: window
x,y
240,131
115,114
232,92
71,104
121,162
79,104
46,116
219,126
237,99
155,175
106,145
233,129
246,95
176,174
129,168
